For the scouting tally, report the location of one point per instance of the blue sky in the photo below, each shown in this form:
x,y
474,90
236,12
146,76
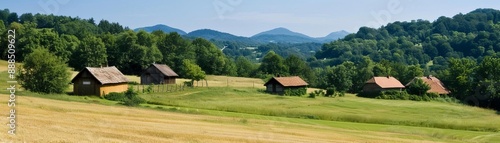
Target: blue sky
x,y
315,18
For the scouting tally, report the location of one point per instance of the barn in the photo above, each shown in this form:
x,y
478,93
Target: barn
x,y
158,74
377,84
99,81
434,83
280,84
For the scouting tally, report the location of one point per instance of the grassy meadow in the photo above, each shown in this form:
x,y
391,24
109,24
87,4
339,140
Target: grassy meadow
x,y
235,109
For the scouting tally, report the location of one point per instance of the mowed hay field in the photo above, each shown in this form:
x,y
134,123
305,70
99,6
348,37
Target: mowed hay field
x,y
46,120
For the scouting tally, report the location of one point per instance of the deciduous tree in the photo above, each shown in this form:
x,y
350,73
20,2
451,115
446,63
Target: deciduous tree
x,y
44,72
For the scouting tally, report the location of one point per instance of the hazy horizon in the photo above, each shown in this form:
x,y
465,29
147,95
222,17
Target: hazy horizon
x,y
246,18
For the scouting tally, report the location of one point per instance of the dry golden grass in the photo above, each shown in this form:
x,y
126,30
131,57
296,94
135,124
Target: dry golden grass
x,y
45,120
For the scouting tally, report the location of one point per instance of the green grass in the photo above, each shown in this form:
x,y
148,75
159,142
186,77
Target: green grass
x,y
348,109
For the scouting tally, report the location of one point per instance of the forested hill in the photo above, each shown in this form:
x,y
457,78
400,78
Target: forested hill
x,y
475,34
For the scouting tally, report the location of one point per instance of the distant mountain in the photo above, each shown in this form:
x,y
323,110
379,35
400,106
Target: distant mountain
x,y
334,36
283,39
164,28
283,35
277,35
219,36
281,31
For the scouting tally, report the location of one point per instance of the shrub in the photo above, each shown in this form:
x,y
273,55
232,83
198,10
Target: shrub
x,y
330,91
316,93
340,94
426,98
371,95
433,95
296,92
132,98
115,96
129,97
188,83
133,83
418,87
415,98
148,89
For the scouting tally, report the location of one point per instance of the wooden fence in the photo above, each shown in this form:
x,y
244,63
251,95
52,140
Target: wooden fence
x,y
155,88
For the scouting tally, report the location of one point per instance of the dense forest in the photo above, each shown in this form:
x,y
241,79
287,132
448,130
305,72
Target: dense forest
x,y
463,51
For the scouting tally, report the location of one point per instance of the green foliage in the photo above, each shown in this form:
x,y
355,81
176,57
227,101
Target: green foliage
x,y
457,77
273,64
488,77
433,95
149,89
418,87
128,98
330,91
175,49
192,71
115,96
44,72
342,76
209,57
296,66
90,53
244,67
296,91
316,93
132,98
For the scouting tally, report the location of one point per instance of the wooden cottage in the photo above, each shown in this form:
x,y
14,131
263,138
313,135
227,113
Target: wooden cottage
x,y
280,84
436,85
158,74
377,84
99,81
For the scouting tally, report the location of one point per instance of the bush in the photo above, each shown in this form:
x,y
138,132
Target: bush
x,y
316,93
188,83
415,98
330,91
148,89
129,97
115,96
433,95
340,94
133,83
132,98
426,98
296,92
371,95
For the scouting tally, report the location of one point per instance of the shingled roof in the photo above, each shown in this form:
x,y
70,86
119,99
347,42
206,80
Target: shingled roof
x,y
166,70
386,82
289,81
105,75
436,85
